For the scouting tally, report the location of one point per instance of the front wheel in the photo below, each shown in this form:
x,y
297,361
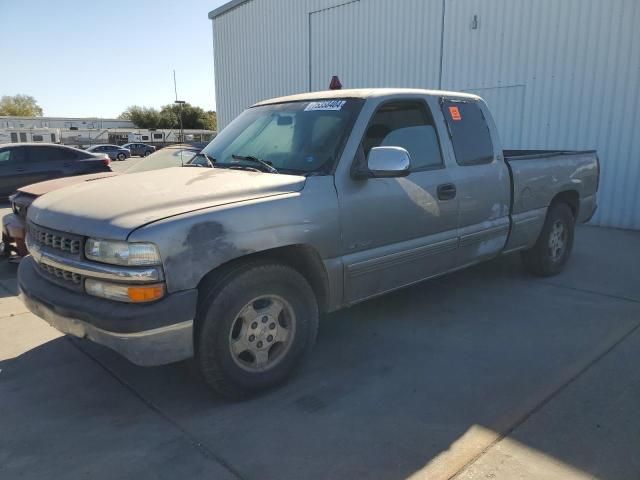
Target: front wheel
x,y
121,156
147,153
553,247
254,328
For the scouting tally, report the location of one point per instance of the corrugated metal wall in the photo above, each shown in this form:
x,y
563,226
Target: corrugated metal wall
x,y
557,74
579,64
353,40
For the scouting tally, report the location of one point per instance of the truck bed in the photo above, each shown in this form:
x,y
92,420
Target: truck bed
x,y
537,176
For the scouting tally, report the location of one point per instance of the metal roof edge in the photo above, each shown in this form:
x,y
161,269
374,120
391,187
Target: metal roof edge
x,y
216,12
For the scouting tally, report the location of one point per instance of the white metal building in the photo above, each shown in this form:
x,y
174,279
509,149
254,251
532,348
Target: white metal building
x,y
556,73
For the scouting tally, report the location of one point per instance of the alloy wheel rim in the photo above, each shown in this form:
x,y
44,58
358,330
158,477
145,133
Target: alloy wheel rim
x,y
262,333
557,240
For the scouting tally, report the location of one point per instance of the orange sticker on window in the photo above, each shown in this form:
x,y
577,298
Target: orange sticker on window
x,y
455,113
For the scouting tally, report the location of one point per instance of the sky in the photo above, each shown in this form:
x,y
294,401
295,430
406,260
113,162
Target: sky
x,y
84,58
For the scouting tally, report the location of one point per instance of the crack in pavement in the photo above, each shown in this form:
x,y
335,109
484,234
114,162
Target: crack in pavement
x,y
194,441
593,292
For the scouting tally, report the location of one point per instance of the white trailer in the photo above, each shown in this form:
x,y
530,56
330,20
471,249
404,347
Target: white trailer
x,y
22,135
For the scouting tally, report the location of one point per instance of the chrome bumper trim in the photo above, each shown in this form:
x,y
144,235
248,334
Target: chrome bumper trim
x,y
96,270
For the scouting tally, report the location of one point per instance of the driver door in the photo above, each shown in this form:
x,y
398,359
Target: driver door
x,y
398,231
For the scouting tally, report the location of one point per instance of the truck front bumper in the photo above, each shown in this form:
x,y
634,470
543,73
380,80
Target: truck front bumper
x,y
147,335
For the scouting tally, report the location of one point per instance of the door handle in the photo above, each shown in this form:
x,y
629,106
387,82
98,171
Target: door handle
x,y
446,191
21,169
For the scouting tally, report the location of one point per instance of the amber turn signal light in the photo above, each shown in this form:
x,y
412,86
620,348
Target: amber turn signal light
x,y
146,293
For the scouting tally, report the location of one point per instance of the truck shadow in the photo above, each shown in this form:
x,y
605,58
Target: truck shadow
x,y
392,385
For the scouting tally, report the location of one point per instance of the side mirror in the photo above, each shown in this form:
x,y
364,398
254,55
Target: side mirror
x,y
385,162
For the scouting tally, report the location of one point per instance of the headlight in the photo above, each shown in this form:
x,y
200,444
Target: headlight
x,y
124,293
122,253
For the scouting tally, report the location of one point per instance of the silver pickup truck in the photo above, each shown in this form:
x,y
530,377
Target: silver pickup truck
x,y
302,205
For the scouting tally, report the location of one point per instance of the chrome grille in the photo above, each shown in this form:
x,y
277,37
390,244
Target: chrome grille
x,y
61,274
56,240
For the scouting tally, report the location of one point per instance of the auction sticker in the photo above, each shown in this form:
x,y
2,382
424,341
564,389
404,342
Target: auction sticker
x,y
331,105
455,114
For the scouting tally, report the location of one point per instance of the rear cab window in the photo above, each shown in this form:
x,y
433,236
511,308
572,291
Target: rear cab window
x,y
469,132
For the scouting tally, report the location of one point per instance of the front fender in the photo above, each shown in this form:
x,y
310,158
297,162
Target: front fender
x,y
193,244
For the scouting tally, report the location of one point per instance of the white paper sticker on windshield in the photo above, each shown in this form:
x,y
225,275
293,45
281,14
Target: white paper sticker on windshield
x,y
333,105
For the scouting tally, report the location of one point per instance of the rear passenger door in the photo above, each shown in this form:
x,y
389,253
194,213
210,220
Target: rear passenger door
x,y
397,231
482,181
47,162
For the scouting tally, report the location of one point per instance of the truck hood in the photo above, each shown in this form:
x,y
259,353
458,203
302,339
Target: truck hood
x,y
113,207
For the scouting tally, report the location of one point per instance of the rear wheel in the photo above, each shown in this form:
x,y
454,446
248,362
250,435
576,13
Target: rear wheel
x,y
121,156
553,247
254,328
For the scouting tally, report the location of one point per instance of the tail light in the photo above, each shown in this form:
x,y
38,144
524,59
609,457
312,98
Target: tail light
x,y
106,160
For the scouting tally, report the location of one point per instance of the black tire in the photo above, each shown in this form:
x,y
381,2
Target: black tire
x,y
218,317
147,153
121,156
541,260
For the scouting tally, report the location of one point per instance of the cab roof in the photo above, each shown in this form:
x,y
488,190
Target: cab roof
x,y
365,93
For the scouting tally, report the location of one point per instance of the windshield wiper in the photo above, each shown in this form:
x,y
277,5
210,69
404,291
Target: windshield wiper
x,y
209,159
251,158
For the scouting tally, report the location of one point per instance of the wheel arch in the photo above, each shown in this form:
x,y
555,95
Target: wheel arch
x,y
302,258
569,197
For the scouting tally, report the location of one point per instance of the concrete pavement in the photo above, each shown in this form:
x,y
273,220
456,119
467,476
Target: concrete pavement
x,y
486,373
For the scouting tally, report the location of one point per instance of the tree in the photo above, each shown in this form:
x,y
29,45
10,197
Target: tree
x,y
213,120
169,117
192,117
20,106
143,117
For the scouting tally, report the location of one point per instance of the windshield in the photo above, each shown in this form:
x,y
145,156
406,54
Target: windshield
x,y
294,137
165,158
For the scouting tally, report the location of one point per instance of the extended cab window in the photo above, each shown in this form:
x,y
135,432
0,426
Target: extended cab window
x,y
469,132
408,125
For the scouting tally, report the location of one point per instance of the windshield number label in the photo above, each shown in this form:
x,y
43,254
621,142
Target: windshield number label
x,y
327,105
